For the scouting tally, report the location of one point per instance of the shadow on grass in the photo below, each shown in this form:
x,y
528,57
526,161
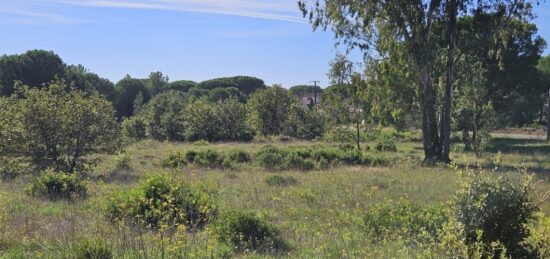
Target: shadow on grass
x,y
521,146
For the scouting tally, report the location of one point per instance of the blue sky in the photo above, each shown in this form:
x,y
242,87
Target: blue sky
x,y
185,39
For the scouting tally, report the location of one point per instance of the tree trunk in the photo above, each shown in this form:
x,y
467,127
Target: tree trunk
x,y
358,136
445,128
430,138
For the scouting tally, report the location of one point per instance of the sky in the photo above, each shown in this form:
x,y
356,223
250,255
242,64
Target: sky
x,y
184,39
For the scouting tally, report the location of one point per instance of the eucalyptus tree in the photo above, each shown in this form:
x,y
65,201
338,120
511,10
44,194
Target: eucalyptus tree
x,y
382,28
544,68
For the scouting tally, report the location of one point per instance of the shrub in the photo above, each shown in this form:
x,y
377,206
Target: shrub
x,y
499,208
244,231
175,160
55,186
386,144
122,162
240,156
280,181
270,157
133,128
209,158
539,240
96,249
294,161
404,218
9,169
160,201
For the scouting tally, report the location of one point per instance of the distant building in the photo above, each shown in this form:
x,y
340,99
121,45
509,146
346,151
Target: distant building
x,y
309,98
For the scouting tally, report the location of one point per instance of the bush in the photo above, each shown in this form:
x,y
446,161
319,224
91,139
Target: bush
x,y
133,128
271,158
499,208
96,249
56,186
539,241
160,201
404,218
122,162
386,144
239,156
244,231
175,160
281,181
294,161
9,169
209,158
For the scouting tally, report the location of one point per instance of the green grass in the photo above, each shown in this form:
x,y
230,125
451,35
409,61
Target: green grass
x,y
321,215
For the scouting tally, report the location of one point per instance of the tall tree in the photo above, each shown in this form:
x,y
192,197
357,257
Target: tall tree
x,y
384,27
157,83
544,68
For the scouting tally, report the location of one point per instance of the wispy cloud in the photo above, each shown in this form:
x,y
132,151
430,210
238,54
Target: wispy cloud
x,y
282,10
24,16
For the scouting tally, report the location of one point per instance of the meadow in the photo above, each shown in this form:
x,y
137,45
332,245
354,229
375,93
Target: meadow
x,y
318,211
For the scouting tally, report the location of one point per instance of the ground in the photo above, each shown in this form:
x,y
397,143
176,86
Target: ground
x,y
319,216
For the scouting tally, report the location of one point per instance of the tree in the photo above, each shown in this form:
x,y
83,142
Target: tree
x,y
182,85
162,115
230,118
544,68
56,128
245,84
304,123
33,68
268,110
406,27
157,83
79,77
126,91
220,94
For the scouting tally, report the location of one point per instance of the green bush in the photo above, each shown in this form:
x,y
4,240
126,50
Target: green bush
x,y
209,158
500,209
385,144
175,160
294,161
239,156
403,218
122,162
133,128
160,201
9,169
56,186
271,158
244,231
96,249
280,181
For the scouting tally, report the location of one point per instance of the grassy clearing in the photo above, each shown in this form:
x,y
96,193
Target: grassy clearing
x,y
320,214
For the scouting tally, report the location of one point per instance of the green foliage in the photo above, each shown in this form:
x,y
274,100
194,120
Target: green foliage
x,y
157,83
56,128
123,162
298,90
225,120
244,84
500,209
304,123
270,157
182,85
209,158
56,186
221,94
133,128
280,181
244,231
386,144
160,202
94,249
9,169
316,157
80,78
33,68
538,241
268,110
239,156
126,91
403,218
163,116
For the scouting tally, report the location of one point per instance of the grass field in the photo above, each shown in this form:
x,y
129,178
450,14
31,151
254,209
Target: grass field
x,y
320,213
